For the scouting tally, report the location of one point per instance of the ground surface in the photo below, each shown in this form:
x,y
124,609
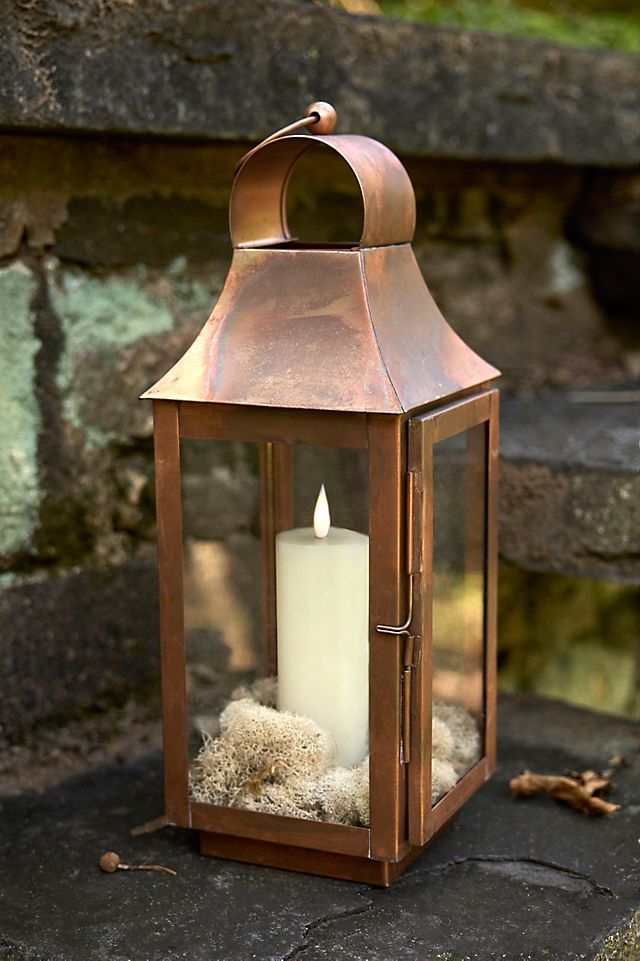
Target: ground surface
x,y
508,880
51,754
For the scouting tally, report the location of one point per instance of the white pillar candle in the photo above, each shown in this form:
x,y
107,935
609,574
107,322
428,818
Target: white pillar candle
x,y
322,592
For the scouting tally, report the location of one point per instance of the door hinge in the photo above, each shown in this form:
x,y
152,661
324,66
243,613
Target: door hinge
x,y
409,661
414,560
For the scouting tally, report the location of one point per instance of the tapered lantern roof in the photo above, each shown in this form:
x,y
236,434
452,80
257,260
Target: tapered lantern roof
x,y
343,328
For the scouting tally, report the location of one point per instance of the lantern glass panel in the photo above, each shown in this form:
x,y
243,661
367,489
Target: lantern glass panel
x,y
237,588
459,574
222,575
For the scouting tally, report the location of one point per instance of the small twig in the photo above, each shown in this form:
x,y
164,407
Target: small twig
x,y
110,862
150,826
146,867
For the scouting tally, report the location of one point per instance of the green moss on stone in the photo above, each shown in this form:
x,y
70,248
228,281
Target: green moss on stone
x,y
20,421
106,313
101,316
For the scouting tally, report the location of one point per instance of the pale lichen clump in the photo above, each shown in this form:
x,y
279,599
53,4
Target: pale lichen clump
x,y
443,774
455,746
282,763
465,738
343,794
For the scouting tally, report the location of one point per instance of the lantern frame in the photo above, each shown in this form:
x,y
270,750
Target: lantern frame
x,y
394,379
403,820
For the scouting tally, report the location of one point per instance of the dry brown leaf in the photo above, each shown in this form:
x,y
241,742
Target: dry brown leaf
x,y
593,782
579,791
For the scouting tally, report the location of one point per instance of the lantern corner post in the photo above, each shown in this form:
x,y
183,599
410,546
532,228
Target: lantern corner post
x,y
420,559
276,514
166,418
388,587
491,681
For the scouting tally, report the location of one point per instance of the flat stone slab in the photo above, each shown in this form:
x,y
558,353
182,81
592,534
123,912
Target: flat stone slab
x,y
236,71
570,484
522,880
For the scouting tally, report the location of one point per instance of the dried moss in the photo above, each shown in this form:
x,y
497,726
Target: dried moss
x,y
267,760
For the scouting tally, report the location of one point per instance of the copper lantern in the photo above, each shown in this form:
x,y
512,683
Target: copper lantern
x,y
342,348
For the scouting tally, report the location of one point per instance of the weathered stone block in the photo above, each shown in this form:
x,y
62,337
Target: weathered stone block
x,y
570,487
196,70
20,420
118,331
77,641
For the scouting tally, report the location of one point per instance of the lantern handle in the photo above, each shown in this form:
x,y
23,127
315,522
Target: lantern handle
x,y
320,117
258,205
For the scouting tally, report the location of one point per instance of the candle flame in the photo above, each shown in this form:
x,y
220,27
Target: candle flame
x,y
321,515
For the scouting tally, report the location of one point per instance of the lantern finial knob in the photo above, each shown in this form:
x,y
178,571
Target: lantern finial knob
x,y
327,117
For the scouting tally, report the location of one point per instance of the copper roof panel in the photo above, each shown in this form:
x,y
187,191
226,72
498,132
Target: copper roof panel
x,y
290,329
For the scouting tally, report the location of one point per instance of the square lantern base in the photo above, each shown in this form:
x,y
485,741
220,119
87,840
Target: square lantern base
x,y
346,867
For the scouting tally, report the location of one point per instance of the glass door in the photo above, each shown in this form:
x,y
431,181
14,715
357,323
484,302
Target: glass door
x,y
449,458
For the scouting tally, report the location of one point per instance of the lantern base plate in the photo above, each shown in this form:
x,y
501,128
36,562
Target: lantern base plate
x,y
347,867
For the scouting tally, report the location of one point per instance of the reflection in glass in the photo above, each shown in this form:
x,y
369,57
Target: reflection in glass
x,y
459,553
221,575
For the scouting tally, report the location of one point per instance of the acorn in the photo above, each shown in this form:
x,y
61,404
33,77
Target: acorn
x,y
109,862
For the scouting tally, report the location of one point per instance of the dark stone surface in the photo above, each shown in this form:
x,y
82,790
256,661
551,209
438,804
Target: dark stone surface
x,y
570,486
509,879
235,71
77,641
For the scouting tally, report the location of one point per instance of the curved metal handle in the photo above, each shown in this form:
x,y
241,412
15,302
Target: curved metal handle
x,y
257,212
320,117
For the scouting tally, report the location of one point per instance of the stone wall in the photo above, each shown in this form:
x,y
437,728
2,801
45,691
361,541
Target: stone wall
x,y
113,248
